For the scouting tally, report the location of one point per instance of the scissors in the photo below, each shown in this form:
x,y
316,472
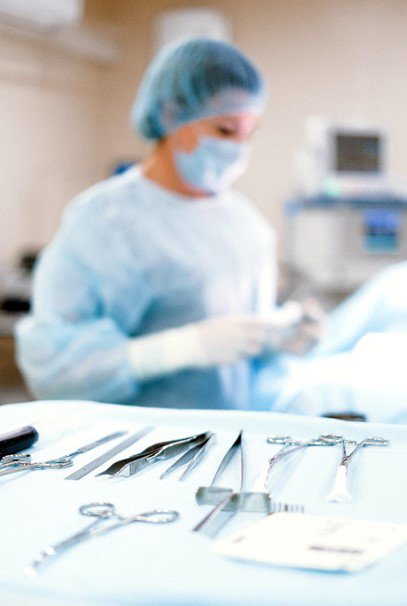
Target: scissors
x,y
339,492
13,460
103,512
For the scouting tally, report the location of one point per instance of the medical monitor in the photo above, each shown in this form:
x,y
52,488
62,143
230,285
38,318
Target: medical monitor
x,y
355,152
342,159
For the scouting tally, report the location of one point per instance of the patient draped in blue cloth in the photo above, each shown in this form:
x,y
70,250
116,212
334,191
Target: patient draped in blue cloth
x,y
360,364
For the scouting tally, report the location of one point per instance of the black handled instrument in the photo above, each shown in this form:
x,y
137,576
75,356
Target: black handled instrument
x,y
17,440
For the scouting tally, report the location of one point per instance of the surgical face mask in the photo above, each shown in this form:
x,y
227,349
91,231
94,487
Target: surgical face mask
x,y
213,165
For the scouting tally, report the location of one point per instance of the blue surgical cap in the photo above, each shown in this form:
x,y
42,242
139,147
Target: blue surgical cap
x,y
194,80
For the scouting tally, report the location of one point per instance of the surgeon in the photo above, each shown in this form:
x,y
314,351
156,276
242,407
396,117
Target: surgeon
x,y
159,287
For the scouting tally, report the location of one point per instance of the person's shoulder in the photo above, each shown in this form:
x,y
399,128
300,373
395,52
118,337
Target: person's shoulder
x,y
104,196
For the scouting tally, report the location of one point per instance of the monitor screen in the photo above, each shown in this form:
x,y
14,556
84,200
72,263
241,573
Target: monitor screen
x,y
357,153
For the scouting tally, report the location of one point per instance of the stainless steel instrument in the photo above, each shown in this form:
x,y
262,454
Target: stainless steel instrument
x,y
258,499
24,463
156,452
95,444
339,492
89,467
236,447
262,480
226,499
30,466
213,495
193,456
103,513
17,440
14,459
210,523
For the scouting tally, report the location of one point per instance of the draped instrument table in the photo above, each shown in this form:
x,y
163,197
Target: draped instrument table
x,y
168,564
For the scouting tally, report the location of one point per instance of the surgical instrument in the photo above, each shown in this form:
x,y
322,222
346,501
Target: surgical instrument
x,y
184,459
192,456
12,460
339,492
262,481
156,452
103,512
17,440
258,499
22,464
213,495
227,501
30,466
237,446
205,492
207,523
95,444
86,469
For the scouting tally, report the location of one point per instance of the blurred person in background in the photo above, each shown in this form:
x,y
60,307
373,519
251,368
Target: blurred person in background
x,y
159,288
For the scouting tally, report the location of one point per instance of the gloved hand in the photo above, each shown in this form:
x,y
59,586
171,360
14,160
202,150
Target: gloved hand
x,y
296,327
228,339
221,340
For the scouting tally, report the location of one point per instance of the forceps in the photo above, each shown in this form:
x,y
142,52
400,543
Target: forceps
x,y
212,494
339,492
192,457
102,512
156,452
202,492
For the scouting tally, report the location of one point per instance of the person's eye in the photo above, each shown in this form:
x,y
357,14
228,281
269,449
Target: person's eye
x,y
225,131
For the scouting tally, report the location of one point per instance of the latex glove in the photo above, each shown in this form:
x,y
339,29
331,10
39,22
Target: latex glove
x,y
221,340
296,327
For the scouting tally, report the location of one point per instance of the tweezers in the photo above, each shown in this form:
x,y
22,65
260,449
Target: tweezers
x,y
156,452
192,456
224,499
236,446
204,493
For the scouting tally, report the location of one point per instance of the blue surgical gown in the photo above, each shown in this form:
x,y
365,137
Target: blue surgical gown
x,y
131,259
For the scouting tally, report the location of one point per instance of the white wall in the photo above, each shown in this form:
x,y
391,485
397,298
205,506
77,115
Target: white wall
x,y
64,122
51,117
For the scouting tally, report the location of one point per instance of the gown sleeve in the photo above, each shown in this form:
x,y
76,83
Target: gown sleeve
x,y
71,346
